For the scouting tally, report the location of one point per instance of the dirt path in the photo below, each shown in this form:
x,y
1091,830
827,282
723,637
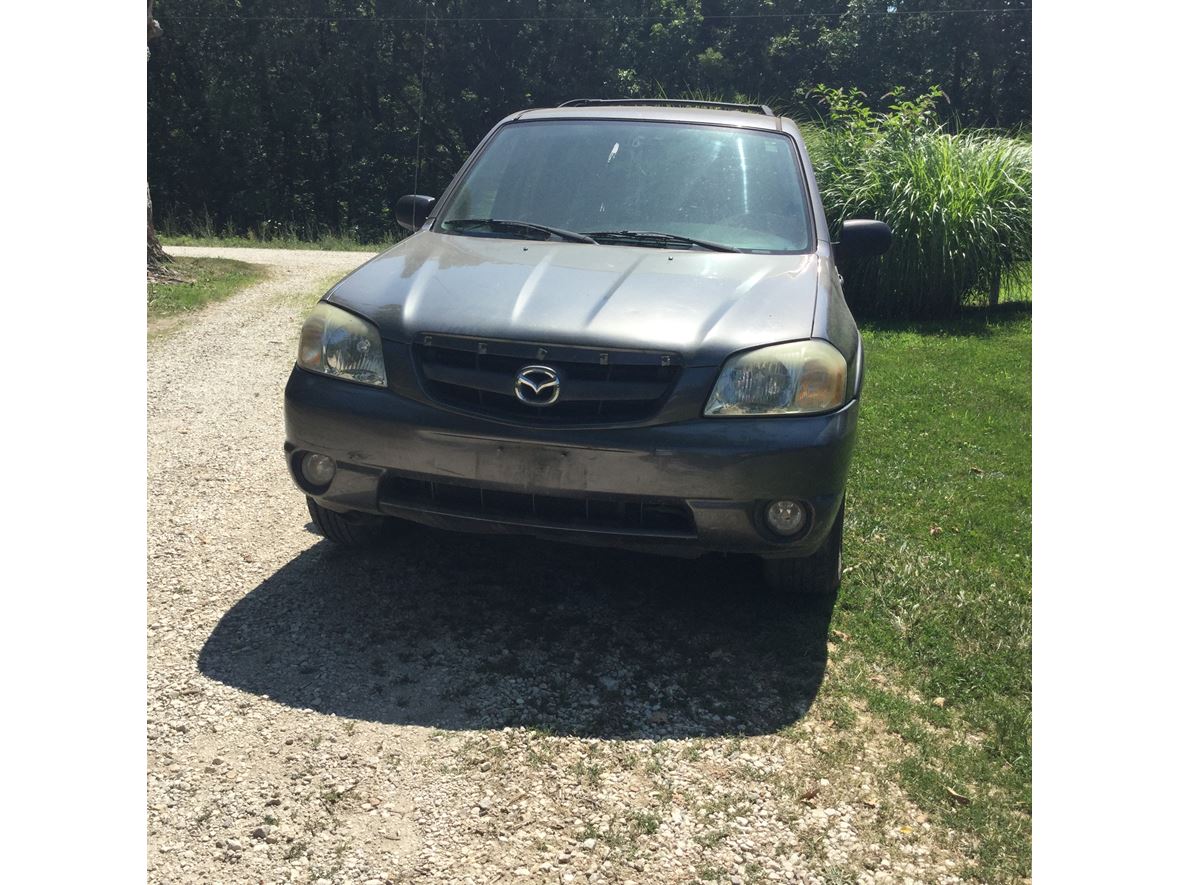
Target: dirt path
x,y
456,708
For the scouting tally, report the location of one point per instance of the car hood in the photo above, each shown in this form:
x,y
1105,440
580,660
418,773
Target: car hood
x,y
702,305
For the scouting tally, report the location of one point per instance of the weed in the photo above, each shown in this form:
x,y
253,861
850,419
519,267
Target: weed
x,y
712,838
591,773
842,714
295,849
645,822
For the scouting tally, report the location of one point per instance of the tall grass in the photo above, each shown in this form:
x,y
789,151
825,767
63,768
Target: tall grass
x,y
960,205
202,230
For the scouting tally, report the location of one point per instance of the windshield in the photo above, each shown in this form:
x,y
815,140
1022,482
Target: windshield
x,y
738,188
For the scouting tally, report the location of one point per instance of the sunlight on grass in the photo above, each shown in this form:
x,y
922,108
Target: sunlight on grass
x,y
327,242
937,590
205,280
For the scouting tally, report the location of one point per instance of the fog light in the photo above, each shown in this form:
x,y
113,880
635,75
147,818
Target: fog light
x,y
318,470
786,517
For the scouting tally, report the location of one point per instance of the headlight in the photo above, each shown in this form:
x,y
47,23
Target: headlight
x,y
338,343
796,378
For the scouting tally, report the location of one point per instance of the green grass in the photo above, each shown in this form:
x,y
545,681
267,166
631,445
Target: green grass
x,y
959,204
937,591
329,242
203,231
206,280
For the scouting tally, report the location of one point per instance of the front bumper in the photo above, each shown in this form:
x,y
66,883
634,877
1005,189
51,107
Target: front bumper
x,y
721,472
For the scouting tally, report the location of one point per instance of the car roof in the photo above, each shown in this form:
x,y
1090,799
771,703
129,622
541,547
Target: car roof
x,y
677,114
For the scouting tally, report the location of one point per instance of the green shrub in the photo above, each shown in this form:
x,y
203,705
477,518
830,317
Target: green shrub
x,y
960,205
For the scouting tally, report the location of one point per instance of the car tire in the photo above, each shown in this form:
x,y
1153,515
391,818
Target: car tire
x,y
346,529
817,575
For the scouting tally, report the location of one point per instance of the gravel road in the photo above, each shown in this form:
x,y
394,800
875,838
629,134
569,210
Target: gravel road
x,y
464,709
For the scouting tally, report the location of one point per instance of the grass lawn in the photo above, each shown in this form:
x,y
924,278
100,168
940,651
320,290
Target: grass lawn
x,y
936,599
206,279
331,243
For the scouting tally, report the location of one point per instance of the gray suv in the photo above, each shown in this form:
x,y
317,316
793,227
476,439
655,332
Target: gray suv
x,y
621,324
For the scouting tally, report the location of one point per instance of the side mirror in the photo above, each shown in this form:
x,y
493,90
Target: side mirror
x,y
862,238
412,209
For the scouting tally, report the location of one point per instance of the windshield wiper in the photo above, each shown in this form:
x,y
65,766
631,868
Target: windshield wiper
x,y
510,224
639,236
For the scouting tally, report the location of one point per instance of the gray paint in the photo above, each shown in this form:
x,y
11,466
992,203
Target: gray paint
x,y
722,467
703,305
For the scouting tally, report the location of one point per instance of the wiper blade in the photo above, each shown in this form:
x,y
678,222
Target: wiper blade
x,y
511,224
661,237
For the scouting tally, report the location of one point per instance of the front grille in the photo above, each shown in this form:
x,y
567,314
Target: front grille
x,y
622,514
598,385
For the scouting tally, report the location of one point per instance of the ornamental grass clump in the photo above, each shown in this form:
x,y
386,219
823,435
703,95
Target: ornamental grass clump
x,y
960,205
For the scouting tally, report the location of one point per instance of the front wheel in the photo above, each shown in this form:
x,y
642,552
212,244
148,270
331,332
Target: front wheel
x,y
346,529
814,575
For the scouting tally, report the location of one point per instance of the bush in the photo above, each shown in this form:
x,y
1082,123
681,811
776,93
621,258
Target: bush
x,y
960,205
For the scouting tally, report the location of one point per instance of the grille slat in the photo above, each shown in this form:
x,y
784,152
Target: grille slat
x,y
629,514
572,389
597,386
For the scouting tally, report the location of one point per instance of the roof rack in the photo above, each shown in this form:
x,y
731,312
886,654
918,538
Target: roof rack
x,y
675,102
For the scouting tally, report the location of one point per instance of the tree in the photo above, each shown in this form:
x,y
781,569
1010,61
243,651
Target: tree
x,y
156,257
301,117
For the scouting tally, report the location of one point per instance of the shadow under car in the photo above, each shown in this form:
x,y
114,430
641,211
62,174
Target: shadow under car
x,y
462,631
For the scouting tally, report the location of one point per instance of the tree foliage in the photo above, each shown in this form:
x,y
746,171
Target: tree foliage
x,y
270,115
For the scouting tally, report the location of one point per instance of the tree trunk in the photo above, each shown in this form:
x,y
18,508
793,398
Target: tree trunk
x,y
156,257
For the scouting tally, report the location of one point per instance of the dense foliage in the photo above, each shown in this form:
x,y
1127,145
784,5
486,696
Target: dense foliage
x,y
959,204
306,116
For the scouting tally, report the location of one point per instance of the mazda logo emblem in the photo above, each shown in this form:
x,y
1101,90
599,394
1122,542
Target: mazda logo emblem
x,y
537,386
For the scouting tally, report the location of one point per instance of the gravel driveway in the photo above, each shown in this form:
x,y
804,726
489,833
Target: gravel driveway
x,y
464,709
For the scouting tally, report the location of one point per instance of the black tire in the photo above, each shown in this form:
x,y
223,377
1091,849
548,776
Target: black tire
x,y
817,575
346,529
